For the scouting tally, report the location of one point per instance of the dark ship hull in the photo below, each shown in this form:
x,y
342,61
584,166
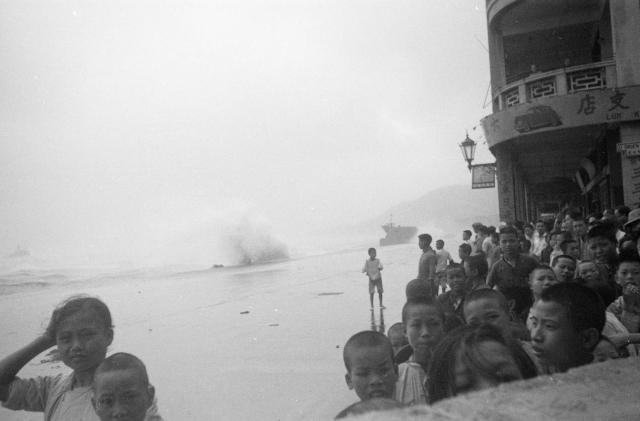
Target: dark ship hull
x,y
397,234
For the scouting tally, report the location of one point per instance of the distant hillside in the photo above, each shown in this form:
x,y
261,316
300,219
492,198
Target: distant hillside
x,y
443,212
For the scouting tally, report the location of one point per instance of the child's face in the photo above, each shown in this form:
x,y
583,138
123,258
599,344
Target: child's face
x,y
553,338
485,310
82,341
564,269
398,339
121,395
540,227
466,236
373,373
573,250
541,279
601,249
605,351
628,273
509,244
589,272
496,358
425,329
456,279
372,254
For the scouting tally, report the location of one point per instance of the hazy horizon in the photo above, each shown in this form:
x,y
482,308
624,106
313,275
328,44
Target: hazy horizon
x,y
129,128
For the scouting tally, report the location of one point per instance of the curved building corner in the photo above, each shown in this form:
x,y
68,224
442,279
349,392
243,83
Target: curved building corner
x,y
565,127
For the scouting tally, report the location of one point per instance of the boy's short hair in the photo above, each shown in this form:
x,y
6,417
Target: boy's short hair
x,y
370,250
366,339
467,232
439,241
602,229
583,306
465,247
479,263
565,243
541,266
421,302
417,289
623,210
453,266
628,256
394,327
426,238
508,230
487,294
562,256
123,361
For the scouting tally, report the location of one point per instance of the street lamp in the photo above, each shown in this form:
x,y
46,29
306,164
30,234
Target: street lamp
x,y
468,148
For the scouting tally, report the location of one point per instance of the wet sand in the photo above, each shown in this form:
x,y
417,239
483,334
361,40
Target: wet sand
x,y
263,342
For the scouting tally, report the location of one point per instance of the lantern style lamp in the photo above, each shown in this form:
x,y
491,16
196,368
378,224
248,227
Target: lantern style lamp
x,y
468,148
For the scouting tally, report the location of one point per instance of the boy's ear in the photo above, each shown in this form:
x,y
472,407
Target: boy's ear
x,y
151,394
590,338
347,378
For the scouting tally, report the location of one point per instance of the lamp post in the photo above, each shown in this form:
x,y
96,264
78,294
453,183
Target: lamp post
x,y
468,148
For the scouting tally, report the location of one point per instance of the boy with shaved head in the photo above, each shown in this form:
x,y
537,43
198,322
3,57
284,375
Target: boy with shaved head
x,y
371,372
121,390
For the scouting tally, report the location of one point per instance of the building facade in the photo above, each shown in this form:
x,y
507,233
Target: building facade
x,y
565,127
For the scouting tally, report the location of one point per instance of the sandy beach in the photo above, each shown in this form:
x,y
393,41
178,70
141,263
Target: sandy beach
x,y
258,342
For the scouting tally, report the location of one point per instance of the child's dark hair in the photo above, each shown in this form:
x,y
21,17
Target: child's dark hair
x,y
417,289
479,263
370,250
421,302
487,294
395,326
562,256
454,266
123,361
583,306
366,339
466,248
508,229
76,304
461,345
467,232
628,256
603,229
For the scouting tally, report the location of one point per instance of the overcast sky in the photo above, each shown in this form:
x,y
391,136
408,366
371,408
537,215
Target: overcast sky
x,y
124,123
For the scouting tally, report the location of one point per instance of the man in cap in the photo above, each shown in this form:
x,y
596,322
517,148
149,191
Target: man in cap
x,y
427,265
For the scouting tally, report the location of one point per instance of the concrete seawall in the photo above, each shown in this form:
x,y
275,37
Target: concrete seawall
x,y
603,391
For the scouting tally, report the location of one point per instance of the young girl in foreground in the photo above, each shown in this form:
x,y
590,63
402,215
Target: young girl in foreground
x,y
81,328
470,359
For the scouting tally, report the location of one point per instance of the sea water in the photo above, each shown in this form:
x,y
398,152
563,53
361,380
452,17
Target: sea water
x,y
256,342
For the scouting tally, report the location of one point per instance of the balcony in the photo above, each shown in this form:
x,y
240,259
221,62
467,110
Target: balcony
x,y
567,80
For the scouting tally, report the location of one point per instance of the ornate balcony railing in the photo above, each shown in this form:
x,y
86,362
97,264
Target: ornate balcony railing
x,y
557,82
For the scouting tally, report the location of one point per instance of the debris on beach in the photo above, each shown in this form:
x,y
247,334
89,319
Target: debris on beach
x,y
52,356
330,293
244,312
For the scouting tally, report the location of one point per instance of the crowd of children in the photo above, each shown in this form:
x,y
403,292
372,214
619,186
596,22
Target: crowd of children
x,y
522,300
98,388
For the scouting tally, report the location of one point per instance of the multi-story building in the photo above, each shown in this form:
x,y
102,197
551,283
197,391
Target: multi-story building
x,y
565,128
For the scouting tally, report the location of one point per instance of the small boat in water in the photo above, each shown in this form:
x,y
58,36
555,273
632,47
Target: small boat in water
x,y
397,234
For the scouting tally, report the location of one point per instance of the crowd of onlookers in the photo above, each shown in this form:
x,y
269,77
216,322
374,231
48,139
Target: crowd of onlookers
x,y
518,301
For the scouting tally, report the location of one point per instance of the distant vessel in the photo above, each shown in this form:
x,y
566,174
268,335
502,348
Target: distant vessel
x,y
397,234
19,252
